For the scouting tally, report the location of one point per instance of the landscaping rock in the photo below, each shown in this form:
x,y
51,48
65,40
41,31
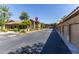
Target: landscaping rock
x,y
34,49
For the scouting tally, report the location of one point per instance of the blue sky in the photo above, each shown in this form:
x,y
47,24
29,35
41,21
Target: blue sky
x,y
47,13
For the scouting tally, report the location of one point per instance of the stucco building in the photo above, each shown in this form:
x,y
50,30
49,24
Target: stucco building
x,y
69,27
16,24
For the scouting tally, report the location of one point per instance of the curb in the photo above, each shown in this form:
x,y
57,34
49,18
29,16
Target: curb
x,y
30,32
72,48
33,31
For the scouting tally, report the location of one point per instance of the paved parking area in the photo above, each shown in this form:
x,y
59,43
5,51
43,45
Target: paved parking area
x,y
12,42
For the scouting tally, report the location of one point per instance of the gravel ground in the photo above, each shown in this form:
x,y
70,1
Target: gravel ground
x,y
34,49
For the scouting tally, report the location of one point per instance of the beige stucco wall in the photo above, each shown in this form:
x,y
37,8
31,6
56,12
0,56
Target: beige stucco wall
x,y
72,20
75,34
74,30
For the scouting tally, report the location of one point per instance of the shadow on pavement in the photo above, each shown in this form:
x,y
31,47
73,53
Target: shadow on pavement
x,y
55,45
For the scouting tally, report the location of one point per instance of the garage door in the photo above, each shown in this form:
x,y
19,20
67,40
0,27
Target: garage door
x,y
66,32
75,34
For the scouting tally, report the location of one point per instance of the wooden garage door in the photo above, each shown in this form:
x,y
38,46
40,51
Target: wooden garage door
x,y
75,34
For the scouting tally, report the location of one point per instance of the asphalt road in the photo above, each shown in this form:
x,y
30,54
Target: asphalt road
x,y
12,42
55,45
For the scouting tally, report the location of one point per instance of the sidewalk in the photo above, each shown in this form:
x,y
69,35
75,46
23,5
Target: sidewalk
x,y
72,48
12,32
28,32
9,32
55,45
33,31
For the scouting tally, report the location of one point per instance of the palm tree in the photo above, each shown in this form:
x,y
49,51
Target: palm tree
x,y
4,15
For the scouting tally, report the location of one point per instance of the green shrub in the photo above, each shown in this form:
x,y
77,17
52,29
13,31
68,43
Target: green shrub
x,y
15,29
4,30
31,29
10,29
22,31
19,29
